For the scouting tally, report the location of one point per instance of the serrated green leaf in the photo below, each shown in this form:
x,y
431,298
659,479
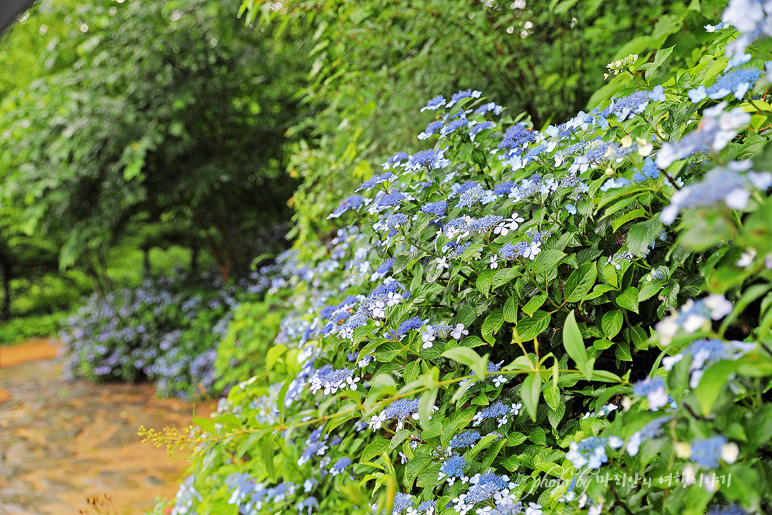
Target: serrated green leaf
x,y
622,352
529,328
532,305
375,448
642,234
628,299
580,281
491,325
612,323
484,281
552,396
510,310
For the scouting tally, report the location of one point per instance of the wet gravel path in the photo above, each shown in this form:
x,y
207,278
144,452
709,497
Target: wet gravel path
x,y
63,441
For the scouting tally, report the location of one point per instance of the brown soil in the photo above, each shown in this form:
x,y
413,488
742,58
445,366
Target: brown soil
x,y
63,441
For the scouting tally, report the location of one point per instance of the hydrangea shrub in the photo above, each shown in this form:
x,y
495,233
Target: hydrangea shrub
x,y
165,331
568,320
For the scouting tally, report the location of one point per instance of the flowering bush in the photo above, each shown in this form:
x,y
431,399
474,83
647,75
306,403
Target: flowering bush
x,y
569,320
163,331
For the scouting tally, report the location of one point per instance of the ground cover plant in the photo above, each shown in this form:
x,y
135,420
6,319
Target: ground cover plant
x,y
574,319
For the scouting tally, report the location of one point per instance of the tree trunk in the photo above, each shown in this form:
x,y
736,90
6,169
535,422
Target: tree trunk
x,y
5,313
194,259
146,261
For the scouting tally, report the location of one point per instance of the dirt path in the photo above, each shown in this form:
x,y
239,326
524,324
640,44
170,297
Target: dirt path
x,y
62,441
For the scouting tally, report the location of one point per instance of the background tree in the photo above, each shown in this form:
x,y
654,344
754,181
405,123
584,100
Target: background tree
x,y
168,112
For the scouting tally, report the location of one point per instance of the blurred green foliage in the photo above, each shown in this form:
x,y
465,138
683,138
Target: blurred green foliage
x,y
243,349
169,113
19,330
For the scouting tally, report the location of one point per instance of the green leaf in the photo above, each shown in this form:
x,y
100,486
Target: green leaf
x,y
510,310
503,276
375,448
574,345
491,325
659,59
267,455
552,396
401,436
531,327
622,352
532,305
273,355
628,299
546,260
630,215
412,371
555,416
642,234
468,357
206,424
530,393
580,281
599,290
484,281
711,384
426,405
228,419
612,323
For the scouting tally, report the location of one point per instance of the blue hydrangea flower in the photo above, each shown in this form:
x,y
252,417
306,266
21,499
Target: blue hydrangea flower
x,y
465,439
462,94
489,107
432,128
410,324
375,180
614,183
516,138
707,453
435,208
698,94
351,203
731,185
452,469
715,131
479,127
657,94
400,410
428,159
654,390
453,127
738,81
590,453
499,411
385,201
571,208
340,466
434,104
395,160
634,103
651,430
